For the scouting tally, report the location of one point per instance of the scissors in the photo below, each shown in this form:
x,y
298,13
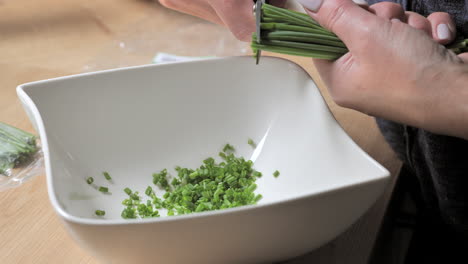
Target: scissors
x,y
257,9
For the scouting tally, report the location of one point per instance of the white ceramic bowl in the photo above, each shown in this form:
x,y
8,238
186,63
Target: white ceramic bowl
x,y
135,121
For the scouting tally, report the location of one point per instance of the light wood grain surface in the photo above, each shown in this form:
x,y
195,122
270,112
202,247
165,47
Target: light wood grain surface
x,y
42,39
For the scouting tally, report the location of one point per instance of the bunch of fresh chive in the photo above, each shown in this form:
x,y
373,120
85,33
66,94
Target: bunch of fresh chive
x,y
290,32
16,147
212,186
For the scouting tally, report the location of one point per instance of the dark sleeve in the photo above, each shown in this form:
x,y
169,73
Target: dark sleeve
x,y
440,163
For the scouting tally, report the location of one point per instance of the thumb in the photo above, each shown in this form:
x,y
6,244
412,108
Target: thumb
x,y
345,18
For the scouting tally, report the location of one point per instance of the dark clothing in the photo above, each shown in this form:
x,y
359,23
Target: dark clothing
x,y
440,163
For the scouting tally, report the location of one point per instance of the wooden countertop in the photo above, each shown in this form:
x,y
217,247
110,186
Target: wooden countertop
x,y
42,39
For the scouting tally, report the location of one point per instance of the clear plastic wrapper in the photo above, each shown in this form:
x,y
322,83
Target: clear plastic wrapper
x,y
187,36
20,156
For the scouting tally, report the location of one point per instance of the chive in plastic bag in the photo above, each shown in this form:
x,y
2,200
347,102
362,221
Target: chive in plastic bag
x,y
20,156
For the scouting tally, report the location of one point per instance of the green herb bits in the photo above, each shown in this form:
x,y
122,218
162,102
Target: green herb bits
x,y
100,212
212,186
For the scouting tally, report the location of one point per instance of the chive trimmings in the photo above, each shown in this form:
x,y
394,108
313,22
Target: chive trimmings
x,y
212,186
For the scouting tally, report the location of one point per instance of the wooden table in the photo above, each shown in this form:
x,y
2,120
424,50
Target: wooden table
x,y
41,39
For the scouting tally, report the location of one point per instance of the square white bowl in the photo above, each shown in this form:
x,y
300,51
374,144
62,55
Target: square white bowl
x,y
136,121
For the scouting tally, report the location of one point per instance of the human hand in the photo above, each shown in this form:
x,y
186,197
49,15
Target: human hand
x,y
394,69
235,14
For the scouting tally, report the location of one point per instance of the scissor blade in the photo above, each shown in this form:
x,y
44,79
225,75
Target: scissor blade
x,y
258,55
258,20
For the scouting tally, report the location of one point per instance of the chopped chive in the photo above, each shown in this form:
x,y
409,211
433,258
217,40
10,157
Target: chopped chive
x,y
212,186
103,189
134,196
100,212
107,175
127,202
149,191
251,143
129,212
228,148
17,148
276,174
257,174
160,179
90,180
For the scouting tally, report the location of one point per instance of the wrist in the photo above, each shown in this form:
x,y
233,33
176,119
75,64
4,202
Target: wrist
x,y
446,101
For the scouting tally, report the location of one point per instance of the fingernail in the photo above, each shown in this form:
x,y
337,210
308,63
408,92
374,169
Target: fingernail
x,y
443,31
360,2
312,5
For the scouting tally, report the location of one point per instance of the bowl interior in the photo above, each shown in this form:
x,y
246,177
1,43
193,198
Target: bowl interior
x,y
136,121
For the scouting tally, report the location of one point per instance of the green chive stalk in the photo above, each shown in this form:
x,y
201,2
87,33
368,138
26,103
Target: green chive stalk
x,y
16,147
293,33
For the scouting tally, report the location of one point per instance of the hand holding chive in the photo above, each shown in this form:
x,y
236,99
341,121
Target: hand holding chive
x,y
394,70
420,85
290,32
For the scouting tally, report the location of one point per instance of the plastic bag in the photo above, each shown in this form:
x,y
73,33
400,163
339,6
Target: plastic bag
x,y
21,157
186,36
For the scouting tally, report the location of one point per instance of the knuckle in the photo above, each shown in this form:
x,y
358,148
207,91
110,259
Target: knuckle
x,y
388,10
419,26
335,16
385,6
390,5
418,21
443,15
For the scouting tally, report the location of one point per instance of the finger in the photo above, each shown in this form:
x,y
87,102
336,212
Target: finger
x,y
418,21
343,17
196,8
237,16
388,10
464,57
443,27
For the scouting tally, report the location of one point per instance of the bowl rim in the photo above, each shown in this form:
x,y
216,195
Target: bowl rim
x,y
39,125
